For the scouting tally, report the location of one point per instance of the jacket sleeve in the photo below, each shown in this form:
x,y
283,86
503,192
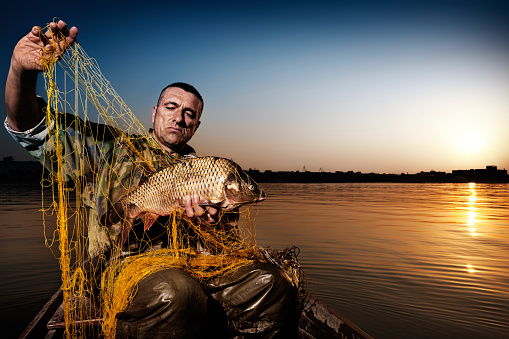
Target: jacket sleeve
x,y
83,143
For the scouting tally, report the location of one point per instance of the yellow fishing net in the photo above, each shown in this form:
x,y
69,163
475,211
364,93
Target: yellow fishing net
x,y
75,85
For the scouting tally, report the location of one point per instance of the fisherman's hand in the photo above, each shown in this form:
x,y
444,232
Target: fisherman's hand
x,y
199,215
36,45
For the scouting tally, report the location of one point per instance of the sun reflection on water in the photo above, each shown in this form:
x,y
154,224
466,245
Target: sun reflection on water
x,y
472,209
441,250
471,217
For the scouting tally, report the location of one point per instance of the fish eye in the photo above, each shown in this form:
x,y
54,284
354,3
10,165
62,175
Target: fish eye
x,y
251,187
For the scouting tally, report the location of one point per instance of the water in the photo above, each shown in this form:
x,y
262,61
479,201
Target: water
x,y
399,260
30,273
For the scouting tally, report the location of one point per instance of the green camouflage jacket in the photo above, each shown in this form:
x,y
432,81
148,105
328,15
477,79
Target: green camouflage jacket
x,y
102,162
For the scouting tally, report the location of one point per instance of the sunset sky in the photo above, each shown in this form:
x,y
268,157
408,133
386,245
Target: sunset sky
x,y
371,86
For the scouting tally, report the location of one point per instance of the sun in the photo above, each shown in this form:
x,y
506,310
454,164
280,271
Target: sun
x,y
470,143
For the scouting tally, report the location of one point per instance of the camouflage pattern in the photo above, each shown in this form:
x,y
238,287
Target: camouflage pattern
x,y
104,163
118,174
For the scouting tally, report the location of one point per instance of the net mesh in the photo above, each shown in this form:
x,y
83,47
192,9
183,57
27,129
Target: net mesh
x,y
88,95
86,182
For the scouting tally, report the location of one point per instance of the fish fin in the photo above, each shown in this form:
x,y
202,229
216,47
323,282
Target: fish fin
x,y
148,219
126,228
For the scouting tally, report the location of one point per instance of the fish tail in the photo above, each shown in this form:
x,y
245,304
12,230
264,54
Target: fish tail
x,y
148,219
127,224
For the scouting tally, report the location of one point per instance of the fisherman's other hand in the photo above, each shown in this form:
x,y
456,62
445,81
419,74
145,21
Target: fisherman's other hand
x,y
198,214
36,45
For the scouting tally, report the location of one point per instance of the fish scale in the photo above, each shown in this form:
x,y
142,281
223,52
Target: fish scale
x,y
217,181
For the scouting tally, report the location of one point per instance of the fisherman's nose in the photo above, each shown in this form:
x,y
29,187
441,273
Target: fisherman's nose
x,y
178,117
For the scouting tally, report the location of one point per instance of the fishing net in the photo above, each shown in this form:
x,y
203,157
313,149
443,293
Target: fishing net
x,y
96,153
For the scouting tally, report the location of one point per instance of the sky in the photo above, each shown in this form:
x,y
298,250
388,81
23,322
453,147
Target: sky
x,y
370,86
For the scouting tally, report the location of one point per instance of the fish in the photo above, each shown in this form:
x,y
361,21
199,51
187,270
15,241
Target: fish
x,y
219,182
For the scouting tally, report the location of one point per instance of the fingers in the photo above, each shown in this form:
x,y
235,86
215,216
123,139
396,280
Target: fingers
x,y
213,212
192,206
63,27
197,213
57,37
51,32
35,35
36,30
73,34
70,35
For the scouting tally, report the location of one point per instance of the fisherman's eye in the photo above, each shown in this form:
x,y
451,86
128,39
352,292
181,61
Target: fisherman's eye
x,y
170,106
191,114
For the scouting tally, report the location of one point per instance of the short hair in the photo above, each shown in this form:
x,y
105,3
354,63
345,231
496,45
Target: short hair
x,y
185,87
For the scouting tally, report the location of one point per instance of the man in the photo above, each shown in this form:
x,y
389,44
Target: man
x,y
255,301
175,118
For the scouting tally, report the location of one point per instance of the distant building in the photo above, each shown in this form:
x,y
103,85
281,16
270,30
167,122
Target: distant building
x,y
432,173
488,174
491,174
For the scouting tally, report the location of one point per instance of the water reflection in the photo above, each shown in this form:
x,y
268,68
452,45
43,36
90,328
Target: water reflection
x,y
399,260
472,210
471,217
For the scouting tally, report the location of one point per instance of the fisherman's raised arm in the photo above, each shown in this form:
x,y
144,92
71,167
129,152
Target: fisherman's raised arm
x,y
22,106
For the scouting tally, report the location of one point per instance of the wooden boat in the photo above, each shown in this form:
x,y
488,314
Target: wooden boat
x,y
319,321
316,321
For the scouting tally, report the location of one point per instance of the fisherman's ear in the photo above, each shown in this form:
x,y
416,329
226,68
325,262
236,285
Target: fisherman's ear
x,y
154,110
197,124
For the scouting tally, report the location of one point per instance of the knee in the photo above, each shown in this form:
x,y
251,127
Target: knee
x,y
173,287
260,284
258,298
168,303
169,291
278,287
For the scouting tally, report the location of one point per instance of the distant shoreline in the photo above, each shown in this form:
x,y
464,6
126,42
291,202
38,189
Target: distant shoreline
x,y
312,177
345,177
32,172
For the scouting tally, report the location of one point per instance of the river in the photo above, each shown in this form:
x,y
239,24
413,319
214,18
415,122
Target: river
x,y
399,260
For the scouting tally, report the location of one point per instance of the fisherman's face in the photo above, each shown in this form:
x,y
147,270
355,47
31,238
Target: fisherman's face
x,y
176,118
